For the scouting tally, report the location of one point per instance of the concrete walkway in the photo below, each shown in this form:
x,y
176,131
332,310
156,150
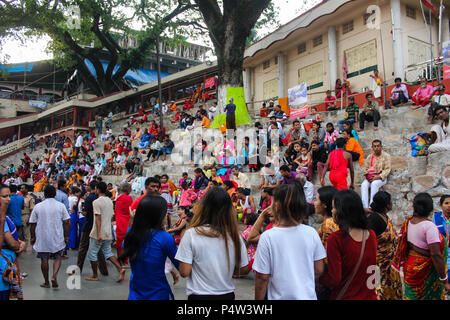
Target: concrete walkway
x,y
104,289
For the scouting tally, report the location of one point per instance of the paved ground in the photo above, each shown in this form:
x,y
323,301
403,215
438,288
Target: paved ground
x,y
104,289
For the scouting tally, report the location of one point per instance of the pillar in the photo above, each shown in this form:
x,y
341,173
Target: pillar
x,y
281,63
248,88
74,116
332,55
19,132
396,18
445,28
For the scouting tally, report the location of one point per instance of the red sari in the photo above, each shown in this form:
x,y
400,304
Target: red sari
x,y
123,204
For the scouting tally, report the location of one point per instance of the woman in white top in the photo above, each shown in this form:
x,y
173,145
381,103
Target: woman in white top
x,y
290,256
206,259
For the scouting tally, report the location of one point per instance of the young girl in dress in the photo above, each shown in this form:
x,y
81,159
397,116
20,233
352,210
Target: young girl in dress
x,y
303,161
249,221
165,193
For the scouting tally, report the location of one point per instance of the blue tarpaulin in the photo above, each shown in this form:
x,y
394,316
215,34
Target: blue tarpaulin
x,y
17,67
141,75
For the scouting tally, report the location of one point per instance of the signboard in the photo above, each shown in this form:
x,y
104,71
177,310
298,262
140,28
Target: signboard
x,y
37,104
209,82
298,99
446,57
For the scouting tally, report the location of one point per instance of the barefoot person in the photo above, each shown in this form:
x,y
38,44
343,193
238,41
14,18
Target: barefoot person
x,y
50,224
101,234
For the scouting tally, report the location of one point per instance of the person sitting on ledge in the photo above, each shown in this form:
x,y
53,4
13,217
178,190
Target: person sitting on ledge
x,y
330,102
399,93
352,112
442,131
439,99
423,94
369,113
377,168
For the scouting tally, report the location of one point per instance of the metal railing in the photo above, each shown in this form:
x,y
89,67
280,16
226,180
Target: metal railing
x,y
430,69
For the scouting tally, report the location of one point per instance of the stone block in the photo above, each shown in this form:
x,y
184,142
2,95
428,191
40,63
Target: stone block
x,y
446,177
439,191
417,166
424,183
437,162
398,163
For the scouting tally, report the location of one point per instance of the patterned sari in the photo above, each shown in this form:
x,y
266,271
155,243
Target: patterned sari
x,y
390,282
421,278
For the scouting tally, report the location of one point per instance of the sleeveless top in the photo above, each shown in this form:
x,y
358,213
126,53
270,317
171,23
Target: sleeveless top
x,y
337,161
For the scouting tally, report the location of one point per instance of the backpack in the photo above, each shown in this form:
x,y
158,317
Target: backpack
x,y
420,144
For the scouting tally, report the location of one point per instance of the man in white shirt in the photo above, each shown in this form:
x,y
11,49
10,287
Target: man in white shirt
x,y
50,223
212,111
442,131
79,143
101,233
399,93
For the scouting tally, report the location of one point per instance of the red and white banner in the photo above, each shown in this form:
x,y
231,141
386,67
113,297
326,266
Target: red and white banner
x,y
298,113
209,82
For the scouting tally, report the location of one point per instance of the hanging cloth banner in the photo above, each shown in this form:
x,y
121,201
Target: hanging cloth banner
x,y
241,113
298,99
210,82
446,56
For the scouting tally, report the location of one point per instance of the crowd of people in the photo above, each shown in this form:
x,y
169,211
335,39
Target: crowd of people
x,y
211,227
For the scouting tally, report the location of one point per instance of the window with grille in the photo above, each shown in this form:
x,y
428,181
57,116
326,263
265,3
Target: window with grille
x,y
301,48
361,59
266,64
418,51
411,12
347,27
317,41
270,89
312,75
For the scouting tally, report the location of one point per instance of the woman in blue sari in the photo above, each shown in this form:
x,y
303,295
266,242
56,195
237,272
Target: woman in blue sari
x,y
9,245
147,246
442,221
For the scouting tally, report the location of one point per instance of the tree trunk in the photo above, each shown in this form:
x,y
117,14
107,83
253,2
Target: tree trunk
x,y
230,57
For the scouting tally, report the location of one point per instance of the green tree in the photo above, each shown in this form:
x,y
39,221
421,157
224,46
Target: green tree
x,y
229,23
97,36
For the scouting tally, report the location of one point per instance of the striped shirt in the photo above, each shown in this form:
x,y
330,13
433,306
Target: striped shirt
x,y
352,109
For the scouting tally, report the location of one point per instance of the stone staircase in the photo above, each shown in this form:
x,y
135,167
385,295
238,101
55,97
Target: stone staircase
x,y
409,175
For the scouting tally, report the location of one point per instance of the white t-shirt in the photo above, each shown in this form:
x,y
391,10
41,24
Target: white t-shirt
x,y
79,142
210,273
48,216
288,255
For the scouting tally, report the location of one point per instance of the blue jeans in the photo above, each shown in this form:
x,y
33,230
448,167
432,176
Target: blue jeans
x,y
341,123
95,246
